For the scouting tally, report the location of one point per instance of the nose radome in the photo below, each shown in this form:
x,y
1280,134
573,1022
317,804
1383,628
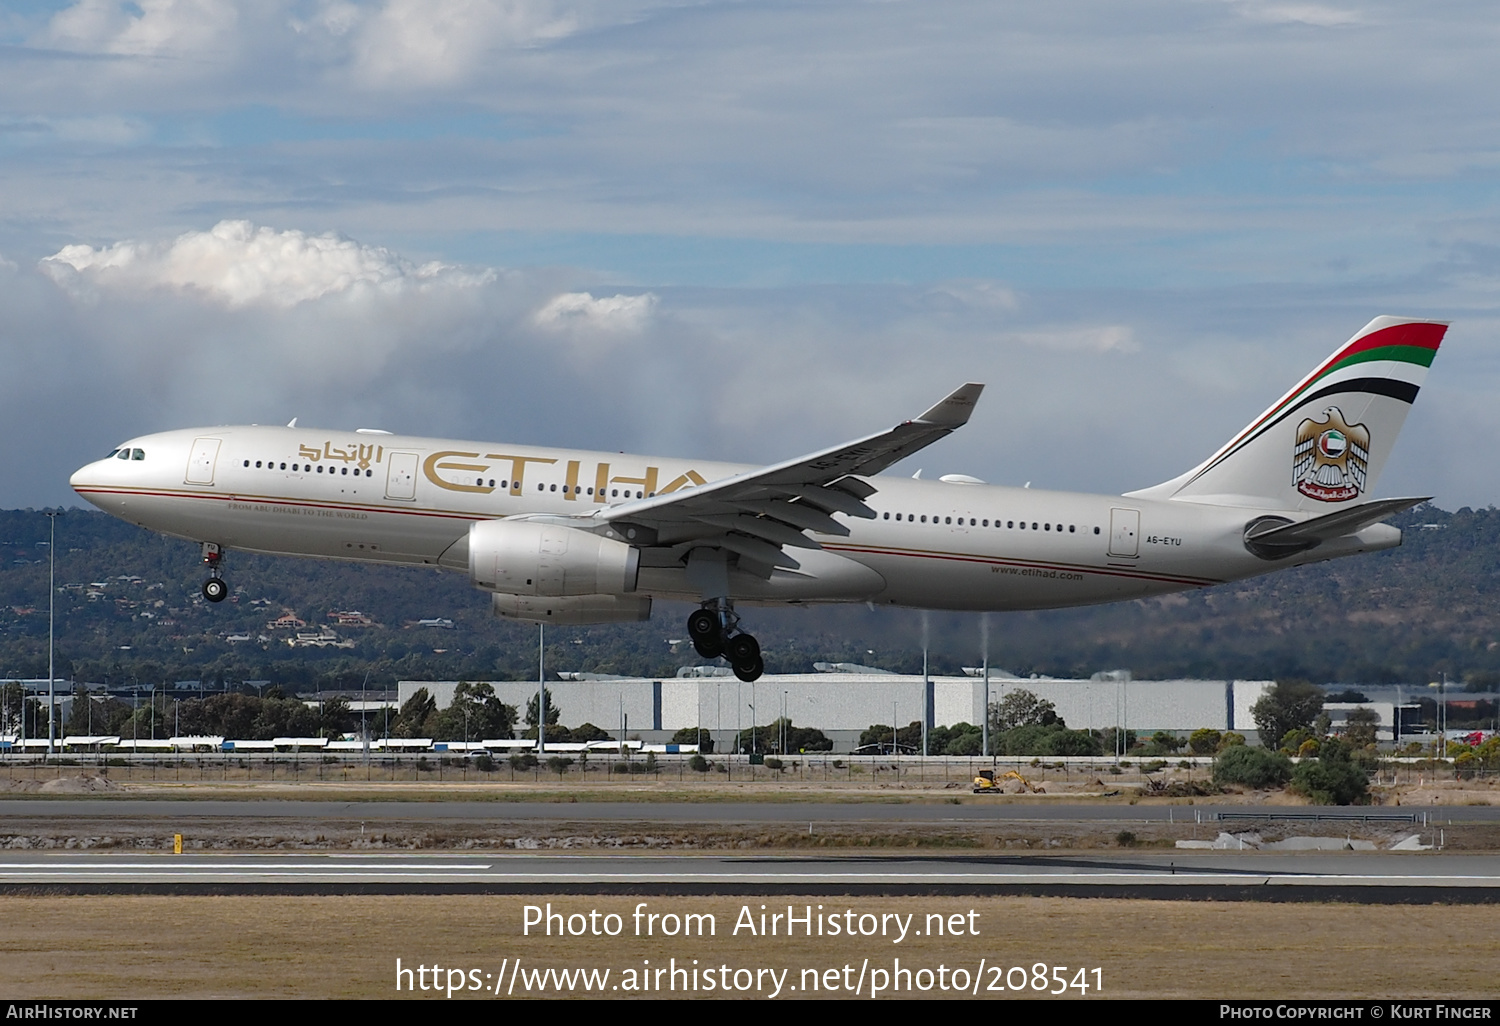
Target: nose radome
x,y
85,477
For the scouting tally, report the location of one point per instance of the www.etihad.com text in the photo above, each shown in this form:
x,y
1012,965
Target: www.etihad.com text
x,y
689,976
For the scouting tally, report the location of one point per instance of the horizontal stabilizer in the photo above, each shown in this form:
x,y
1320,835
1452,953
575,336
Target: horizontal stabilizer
x,y
1275,538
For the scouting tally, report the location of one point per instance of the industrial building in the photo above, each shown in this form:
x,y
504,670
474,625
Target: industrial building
x,y
842,705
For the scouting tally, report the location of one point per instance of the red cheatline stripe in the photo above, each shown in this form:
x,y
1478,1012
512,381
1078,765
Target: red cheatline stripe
x,y
402,511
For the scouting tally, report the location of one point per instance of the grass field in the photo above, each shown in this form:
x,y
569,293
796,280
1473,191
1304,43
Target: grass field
x,y
137,947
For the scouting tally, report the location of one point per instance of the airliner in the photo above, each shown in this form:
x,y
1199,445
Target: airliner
x,y
572,537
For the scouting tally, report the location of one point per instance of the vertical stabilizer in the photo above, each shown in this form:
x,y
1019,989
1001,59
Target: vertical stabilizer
x,y
1326,441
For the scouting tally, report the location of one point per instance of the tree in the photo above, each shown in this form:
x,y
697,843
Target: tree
x,y
1252,767
553,712
1332,778
416,711
1204,741
692,736
907,738
1288,705
1361,726
1162,743
1022,708
476,713
336,717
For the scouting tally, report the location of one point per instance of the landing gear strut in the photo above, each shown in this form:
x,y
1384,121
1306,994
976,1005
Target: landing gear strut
x,y
715,632
215,589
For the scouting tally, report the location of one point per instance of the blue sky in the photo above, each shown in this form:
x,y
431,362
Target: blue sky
x,y
1139,223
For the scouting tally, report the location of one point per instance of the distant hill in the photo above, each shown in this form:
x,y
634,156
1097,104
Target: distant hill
x,y
128,606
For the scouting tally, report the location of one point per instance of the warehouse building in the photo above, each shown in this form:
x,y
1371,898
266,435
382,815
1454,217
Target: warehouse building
x,y
843,704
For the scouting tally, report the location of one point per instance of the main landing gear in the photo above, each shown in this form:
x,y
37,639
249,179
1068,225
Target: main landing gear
x,y
715,632
215,589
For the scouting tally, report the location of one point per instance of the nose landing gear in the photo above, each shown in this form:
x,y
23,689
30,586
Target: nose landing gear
x,y
215,589
715,632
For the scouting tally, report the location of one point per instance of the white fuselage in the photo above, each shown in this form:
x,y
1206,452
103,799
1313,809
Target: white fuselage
x,y
385,498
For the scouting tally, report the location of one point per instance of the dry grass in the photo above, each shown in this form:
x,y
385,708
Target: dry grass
x,y
135,947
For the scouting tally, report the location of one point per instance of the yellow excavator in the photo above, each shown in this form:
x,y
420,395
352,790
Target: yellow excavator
x,y
987,783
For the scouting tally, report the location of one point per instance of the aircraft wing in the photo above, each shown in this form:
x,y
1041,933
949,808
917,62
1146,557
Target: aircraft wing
x,y
757,513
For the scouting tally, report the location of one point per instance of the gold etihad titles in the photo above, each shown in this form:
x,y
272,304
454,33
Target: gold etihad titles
x,y
359,454
458,471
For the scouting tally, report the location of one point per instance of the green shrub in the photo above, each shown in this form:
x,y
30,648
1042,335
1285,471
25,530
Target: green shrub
x,y
1331,782
773,763
1252,767
1229,740
559,764
1335,777
523,761
698,764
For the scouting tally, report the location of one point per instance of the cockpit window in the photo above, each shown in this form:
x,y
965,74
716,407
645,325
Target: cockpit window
x,y
120,454
112,452
137,454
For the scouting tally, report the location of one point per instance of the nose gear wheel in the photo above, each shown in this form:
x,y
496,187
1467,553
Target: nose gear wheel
x,y
215,589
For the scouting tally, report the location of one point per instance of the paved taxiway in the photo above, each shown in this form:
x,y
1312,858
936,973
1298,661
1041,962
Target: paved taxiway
x,y
1277,876
705,812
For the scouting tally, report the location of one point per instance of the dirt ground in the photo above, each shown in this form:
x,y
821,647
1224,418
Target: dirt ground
x,y
125,947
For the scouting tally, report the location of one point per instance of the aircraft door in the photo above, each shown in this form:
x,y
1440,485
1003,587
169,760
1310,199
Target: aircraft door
x,y
1125,532
200,468
401,475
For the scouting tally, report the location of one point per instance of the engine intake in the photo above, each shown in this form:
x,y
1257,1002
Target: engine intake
x,y
522,557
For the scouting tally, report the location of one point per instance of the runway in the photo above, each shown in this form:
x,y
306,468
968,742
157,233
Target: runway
x,y
1280,876
677,813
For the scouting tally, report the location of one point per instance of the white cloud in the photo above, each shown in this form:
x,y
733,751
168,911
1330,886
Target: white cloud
x,y
238,264
190,28
1319,15
617,313
422,43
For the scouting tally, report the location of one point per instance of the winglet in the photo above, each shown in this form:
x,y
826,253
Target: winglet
x,y
954,411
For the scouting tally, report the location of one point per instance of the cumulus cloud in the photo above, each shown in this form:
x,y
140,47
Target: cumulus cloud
x,y
618,313
240,264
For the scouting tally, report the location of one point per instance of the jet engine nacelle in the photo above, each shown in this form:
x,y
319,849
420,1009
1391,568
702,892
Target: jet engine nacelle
x,y
573,609
523,557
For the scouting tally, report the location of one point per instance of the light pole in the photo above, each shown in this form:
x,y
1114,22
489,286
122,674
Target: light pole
x,y
52,516
984,634
541,689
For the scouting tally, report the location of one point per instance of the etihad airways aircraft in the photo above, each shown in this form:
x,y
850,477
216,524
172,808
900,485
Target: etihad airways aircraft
x,y
561,536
